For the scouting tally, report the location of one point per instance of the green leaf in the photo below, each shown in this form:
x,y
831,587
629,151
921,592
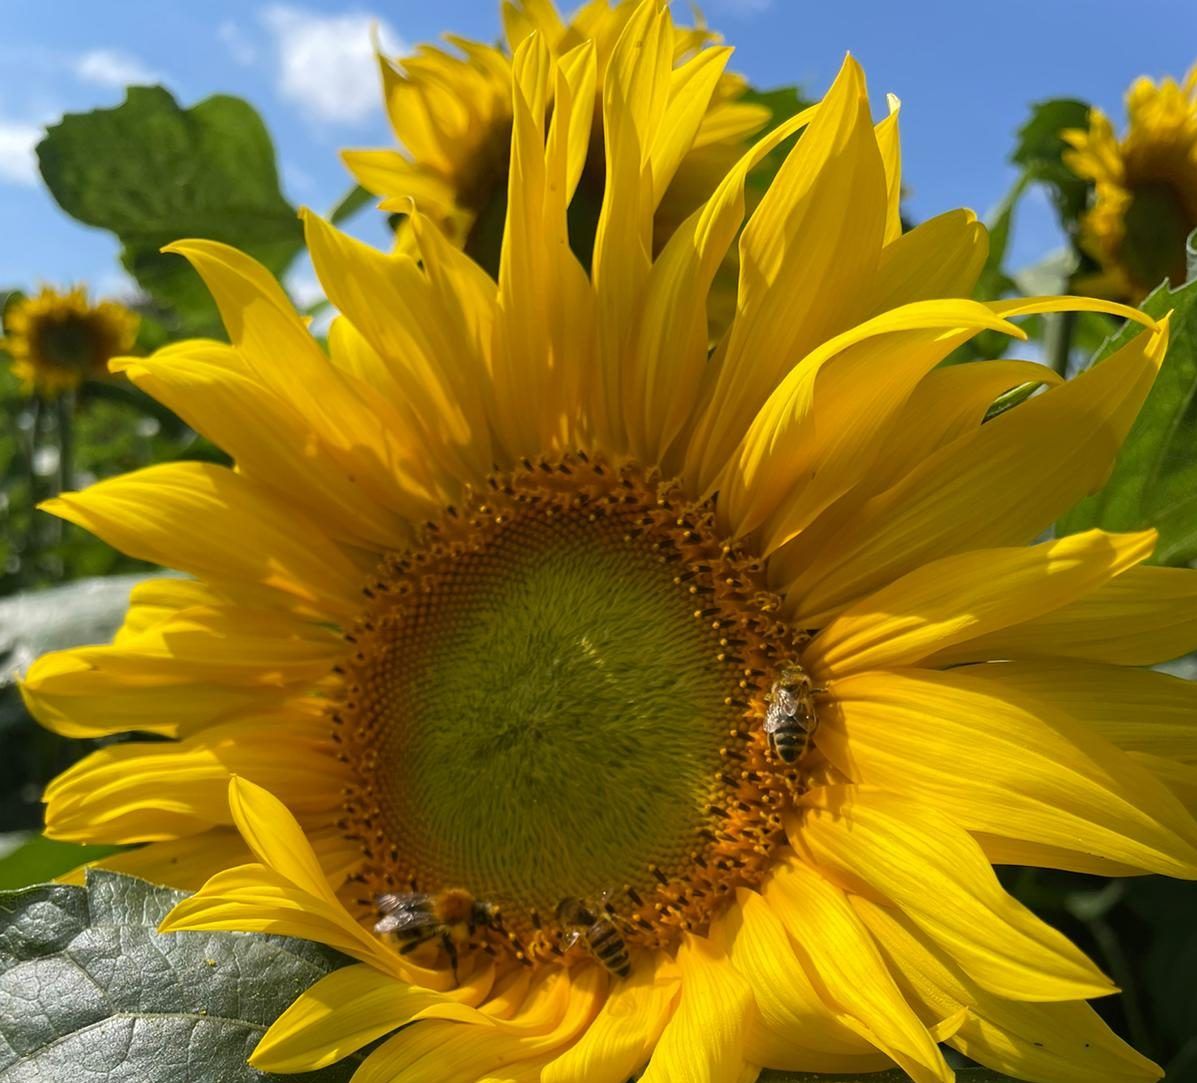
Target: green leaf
x,y
350,203
29,858
1154,481
152,172
1040,151
90,990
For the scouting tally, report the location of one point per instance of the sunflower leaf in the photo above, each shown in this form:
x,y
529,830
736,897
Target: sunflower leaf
x,y
1154,481
1040,152
90,991
152,172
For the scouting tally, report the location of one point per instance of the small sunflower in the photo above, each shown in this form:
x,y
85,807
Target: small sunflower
x,y
57,340
622,706
1145,197
452,114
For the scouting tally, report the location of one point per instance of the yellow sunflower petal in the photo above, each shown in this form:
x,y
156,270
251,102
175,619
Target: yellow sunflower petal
x,y
669,358
1006,766
183,864
795,1028
822,220
890,145
1065,439
269,440
820,429
635,95
620,1040
139,792
389,300
288,893
343,1012
949,402
74,693
920,860
1143,617
690,89
1138,710
704,1040
432,1051
250,536
941,257
1054,1043
839,951
963,597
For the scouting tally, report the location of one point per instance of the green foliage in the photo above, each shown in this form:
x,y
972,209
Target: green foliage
x,y
350,203
1154,482
29,858
85,979
152,172
1040,152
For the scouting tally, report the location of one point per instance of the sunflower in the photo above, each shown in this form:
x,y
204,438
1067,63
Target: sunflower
x,y
57,340
1145,195
620,706
452,112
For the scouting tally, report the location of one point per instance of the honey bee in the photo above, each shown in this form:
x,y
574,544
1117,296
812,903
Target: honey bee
x,y
453,916
598,932
790,717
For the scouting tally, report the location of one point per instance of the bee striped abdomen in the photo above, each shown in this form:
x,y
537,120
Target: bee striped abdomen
x,y
609,947
790,717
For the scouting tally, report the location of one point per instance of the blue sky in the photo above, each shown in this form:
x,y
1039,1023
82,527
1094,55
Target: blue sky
x,y
964,71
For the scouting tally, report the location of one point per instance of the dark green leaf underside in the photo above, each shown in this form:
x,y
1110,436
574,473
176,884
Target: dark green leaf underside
x,y
90,992
152,173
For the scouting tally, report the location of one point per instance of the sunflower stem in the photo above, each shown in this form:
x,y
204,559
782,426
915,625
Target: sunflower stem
x,y
1124,978
32,539
1059,341
65,411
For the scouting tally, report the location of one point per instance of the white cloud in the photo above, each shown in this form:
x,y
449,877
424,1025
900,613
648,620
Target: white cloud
x,y
326,62
18,162
240,48
112,68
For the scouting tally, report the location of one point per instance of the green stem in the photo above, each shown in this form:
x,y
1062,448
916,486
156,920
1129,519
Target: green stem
x,y
1059,341
1124,978
65,409
30,543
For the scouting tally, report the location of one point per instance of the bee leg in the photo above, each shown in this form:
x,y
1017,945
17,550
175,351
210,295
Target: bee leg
x,y
451,950
411,945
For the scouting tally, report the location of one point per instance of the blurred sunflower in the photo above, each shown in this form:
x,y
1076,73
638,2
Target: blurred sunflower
x,y
57,340
648,691
452,113
1145,196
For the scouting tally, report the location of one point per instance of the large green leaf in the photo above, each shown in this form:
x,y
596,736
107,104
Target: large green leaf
x,y
1154,482
152,172
89,990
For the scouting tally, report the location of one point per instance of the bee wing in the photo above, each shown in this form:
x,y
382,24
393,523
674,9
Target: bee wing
x,y
776,716
399,920
404,900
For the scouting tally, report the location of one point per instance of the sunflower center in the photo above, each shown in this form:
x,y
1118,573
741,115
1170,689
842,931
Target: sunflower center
x,y
69,342
1157,224
557,699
